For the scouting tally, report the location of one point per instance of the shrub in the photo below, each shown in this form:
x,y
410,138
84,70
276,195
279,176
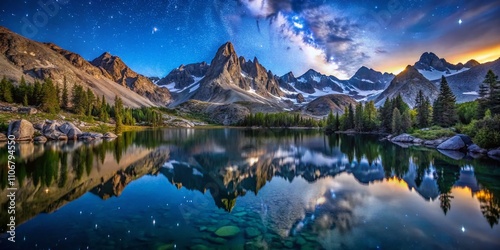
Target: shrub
x,y
434,132
469,129
487,132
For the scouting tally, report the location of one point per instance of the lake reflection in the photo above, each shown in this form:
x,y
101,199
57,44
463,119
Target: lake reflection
x,y
179,188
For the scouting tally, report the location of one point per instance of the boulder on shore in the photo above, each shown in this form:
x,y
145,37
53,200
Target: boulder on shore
x,y
495,153
22,130
403,138
456,143
51,130
70,130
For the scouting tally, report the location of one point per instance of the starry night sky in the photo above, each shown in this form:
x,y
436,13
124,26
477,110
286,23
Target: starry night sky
x,y
333,37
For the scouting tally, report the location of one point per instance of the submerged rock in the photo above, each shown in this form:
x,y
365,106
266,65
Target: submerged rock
x,y
252,232
227,231
403,138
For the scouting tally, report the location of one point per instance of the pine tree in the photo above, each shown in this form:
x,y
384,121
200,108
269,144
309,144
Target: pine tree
x,y
337,122
370,116
330,123
36,96
25,99
358,117
445,114
406,121
6,88
386,115
90,102
119,115
350,117
79,100
20,91
65,97
49,101
493,103
396,121
103,113
58,94
422,106
399,104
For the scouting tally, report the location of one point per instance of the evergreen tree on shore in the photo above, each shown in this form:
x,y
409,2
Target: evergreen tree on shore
x,y
65,97
493,98
444,113
396,121
422,106
49,100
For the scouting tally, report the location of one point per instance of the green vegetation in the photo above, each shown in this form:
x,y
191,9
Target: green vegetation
x,y
433,132
82,104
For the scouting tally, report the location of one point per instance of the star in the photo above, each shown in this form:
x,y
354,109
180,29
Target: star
x,y
154,30
459,21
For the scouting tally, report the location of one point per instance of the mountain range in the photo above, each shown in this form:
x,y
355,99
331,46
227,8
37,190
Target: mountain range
x,y
231,86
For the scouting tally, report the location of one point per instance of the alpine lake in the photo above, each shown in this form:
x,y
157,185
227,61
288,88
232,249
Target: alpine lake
x,y
230,188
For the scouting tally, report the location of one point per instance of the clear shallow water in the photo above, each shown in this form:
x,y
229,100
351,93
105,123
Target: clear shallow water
x,y
175,188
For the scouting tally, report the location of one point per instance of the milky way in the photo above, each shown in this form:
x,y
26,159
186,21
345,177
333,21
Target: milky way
x,y
333,37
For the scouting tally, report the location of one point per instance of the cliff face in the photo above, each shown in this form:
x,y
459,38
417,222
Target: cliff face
x,y
20,56
115,69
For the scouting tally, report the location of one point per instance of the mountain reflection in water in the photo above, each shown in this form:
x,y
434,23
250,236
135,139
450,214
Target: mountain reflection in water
x,y
230,163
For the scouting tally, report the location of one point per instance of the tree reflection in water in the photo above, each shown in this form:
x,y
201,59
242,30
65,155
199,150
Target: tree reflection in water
x,y
231,162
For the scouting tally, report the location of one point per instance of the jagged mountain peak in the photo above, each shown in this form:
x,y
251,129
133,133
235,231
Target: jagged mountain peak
x,y
311,72
226,49
428,57
105,57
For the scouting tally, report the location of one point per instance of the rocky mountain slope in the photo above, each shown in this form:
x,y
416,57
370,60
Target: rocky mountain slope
x,y
20,56
228,79
183,76
433,67
115,69
407,84
465,85
322,106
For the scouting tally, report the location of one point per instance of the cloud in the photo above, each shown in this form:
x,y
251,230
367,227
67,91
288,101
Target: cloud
x,y
327,39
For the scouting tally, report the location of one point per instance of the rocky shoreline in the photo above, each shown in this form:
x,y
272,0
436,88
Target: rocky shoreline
x,y
456,147
24,130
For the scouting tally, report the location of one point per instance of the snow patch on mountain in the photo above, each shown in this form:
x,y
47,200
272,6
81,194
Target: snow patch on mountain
x,y
192,87
434,74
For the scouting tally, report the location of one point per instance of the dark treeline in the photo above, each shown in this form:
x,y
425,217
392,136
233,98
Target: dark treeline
x,y
281,119
50,98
